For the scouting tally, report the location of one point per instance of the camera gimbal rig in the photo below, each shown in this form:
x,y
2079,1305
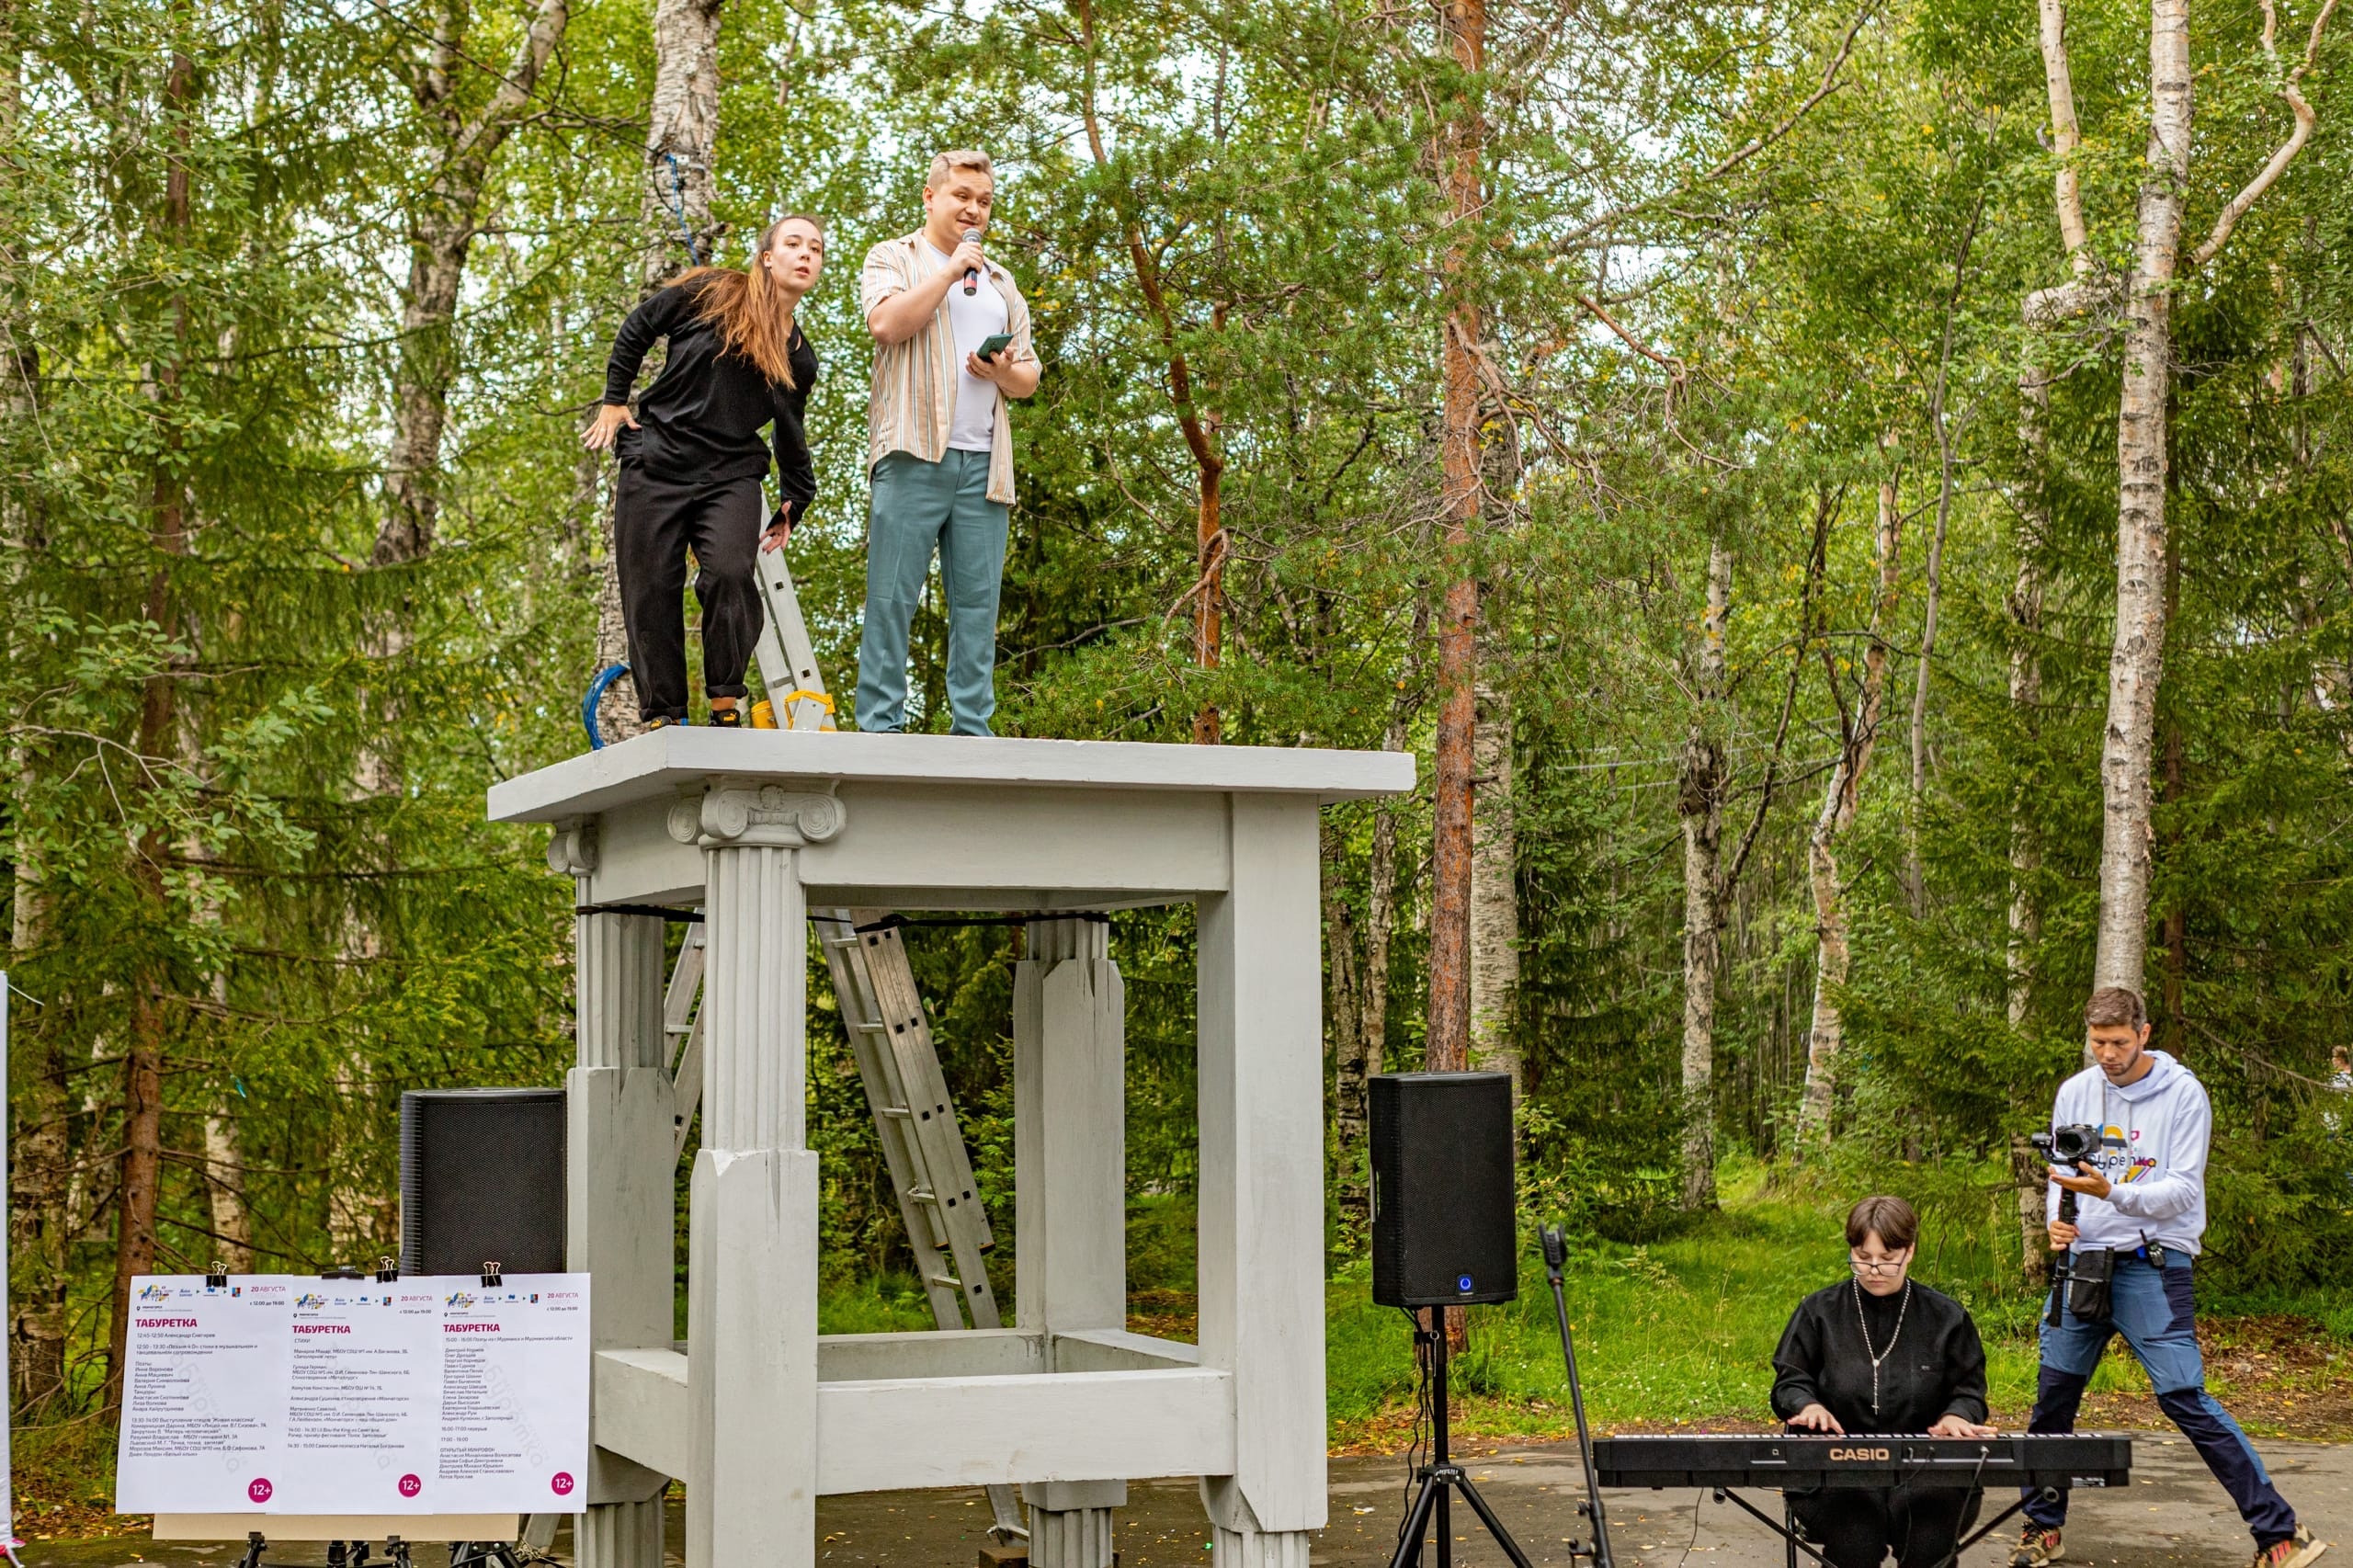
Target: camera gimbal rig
x,y
2065,1146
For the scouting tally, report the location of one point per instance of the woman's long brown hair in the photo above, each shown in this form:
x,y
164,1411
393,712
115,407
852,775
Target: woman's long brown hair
x,y
748,309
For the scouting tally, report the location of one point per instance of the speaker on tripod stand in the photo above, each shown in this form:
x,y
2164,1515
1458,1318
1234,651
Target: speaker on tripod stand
x,y
1445,1233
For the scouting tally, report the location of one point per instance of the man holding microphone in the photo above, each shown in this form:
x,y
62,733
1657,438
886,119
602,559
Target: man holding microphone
x,y
952,336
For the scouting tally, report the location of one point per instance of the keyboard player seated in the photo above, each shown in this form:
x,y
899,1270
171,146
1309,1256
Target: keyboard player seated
x,y
1879,1352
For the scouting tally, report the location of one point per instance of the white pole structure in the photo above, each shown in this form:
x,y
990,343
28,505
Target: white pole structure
x,y
1070,1188
618,1187
758,1414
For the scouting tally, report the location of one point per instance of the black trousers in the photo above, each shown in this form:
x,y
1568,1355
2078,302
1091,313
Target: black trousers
x,y
656,522
1854,1530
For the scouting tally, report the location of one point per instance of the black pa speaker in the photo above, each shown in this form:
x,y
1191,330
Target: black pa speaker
x,y
481,1180
1443,1231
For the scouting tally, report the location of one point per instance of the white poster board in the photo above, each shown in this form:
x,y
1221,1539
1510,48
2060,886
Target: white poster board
x,y
286,1394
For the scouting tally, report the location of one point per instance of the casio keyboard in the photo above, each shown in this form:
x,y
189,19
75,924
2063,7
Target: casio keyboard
x,y
2035,1462
1804,1461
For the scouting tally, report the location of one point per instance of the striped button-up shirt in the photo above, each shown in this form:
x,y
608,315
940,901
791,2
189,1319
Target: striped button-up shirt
x,y
913,400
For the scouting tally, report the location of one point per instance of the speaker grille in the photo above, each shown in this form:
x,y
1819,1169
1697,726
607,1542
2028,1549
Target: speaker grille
x,y
482,1179
1443,1197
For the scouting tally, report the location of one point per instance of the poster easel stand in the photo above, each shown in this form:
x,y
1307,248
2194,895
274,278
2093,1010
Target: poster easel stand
x,y
397,1552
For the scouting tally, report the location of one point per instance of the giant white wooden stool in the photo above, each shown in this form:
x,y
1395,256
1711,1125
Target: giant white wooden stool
x,y
755,1410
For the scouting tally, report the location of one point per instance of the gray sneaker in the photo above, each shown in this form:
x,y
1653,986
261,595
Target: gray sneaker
x,y
2293,1552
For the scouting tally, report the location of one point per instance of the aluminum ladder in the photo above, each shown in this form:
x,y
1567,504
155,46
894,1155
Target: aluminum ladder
x,y
890,1038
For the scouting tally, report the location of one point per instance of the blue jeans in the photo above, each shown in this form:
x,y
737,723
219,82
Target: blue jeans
x,y
920,507
2155,1310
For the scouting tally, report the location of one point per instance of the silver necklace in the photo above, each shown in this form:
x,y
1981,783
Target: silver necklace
x,y
1877,1357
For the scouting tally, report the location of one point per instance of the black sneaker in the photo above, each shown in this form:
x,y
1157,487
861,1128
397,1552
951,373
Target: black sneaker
x,y
660,722
728,718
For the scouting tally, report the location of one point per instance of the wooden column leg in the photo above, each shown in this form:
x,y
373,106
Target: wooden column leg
x,y
752,1237
1070,1522
1069,1131
628,1535
1261,1191
619,1188
1257,1549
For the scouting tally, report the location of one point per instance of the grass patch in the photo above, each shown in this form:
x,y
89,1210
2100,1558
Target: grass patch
x,y
1677,1332
1680,1332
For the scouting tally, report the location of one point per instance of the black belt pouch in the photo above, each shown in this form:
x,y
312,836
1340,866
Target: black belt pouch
x,y
2091,1277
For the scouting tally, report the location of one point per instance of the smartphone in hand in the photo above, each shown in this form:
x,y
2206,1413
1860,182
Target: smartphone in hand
x,y
993,345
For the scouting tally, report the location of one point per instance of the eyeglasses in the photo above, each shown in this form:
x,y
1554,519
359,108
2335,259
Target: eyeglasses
x,y
1862,1265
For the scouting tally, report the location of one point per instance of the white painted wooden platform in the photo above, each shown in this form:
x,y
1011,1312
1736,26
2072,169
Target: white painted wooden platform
x,y
755,1410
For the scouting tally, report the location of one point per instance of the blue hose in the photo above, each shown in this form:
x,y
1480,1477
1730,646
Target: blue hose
x,y
588,704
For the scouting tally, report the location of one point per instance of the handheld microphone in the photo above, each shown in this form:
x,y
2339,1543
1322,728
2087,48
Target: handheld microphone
x,y
972,274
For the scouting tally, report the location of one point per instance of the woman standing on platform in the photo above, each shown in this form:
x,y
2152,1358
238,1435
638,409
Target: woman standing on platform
x,y
1881,1353
692,462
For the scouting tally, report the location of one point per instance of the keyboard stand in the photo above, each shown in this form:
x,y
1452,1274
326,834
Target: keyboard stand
x,y
1786,1526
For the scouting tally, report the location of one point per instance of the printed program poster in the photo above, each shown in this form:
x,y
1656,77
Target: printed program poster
x,y
514,1396
363,1401
204,1396
287,1394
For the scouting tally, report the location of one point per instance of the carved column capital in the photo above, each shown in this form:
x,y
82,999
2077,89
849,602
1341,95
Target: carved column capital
x,y
572,848
730,815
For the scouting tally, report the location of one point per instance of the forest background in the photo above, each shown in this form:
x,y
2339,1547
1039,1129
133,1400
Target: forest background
x,y
1715,438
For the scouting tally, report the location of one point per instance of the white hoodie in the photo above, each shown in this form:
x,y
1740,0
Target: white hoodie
x,y
2153,1151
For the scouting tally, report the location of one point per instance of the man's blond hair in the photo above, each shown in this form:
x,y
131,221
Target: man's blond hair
x,y
943,164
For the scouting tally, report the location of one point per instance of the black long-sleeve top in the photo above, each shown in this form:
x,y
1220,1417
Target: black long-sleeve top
x,y
1937,1368
700,419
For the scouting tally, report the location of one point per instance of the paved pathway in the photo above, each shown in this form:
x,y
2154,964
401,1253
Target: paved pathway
x,y
2174,1516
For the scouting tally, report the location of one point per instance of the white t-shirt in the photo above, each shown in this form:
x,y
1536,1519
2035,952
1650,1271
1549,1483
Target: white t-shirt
x,y
971,317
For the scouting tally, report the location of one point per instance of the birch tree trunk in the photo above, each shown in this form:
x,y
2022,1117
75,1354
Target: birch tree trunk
x,y
1939,415
39,1180
2028,1171
1825,1042
1494,894
2042,311
38,1152
1700,803
224,1166
2137,653
681,129
677,232
442,228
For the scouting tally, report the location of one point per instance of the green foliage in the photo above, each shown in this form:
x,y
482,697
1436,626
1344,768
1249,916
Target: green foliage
x,y
1737,267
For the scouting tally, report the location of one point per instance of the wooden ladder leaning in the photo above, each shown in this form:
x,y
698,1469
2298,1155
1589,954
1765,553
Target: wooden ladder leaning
x,y
890,1037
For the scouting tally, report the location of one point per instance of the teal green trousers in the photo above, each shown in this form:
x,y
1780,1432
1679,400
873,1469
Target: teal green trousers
x,y
920,508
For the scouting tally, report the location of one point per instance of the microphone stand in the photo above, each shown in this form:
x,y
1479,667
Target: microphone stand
x,y
1557,1251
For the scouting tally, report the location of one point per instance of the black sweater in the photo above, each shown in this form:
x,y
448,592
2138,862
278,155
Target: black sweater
x,y
702,417
1937,1368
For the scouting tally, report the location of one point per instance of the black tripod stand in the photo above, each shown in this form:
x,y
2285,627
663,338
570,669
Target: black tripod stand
x,y
1442,1477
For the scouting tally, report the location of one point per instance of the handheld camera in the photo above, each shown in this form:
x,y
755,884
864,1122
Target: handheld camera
x,y
2064,1147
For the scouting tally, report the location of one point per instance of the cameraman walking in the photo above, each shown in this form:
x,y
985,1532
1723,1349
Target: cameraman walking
x,y
2142,1193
